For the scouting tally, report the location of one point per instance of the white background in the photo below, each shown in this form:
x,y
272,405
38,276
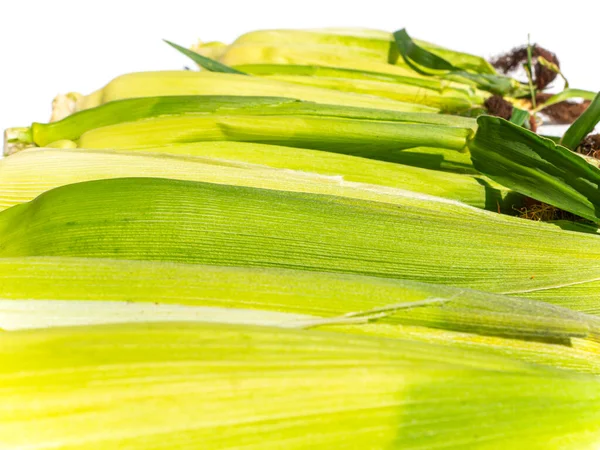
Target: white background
x,y
56,46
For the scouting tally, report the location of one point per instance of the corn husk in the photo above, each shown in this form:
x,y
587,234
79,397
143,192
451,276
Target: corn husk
x,y
369,139
420,238
150,84
436,159
352,43
27,174
130,110
214,386
52,291
353,74
450,100
253,118
318,55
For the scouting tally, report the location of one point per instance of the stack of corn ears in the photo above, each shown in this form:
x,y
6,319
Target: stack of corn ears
x,y
308,244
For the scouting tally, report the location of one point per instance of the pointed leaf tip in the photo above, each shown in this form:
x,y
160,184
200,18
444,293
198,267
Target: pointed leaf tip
x,y
584,125
203,61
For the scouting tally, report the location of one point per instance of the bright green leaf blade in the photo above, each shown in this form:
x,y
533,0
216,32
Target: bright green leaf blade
x,y
129,110
157,219
109,386
528,66
584,125
203,61
536,167
566,95
412,52
519,116
461,60
428,63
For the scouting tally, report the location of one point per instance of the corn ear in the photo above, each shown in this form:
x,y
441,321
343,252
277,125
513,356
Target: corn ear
x,y
150,84
358,43
109,386
64,133
252,272
368,139
316,295
129,110
27,174
55,291
451,100
158,219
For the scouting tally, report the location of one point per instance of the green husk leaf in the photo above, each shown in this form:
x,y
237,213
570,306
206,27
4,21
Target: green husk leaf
x,y
536,167
356,46
519,116
528,66
27,174
416,56
203,61
448,100
134,109
183,221
372,44
584,125
58,291
169,83
566,95
352,74
128,110
435,159
428,63
223,386
365,138
342,57
464,61
288,298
